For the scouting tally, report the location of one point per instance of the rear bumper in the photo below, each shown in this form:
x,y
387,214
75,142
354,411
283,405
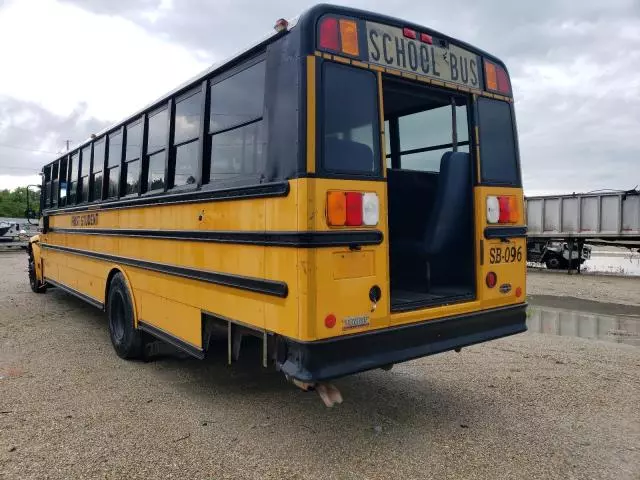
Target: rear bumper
x,y
336,357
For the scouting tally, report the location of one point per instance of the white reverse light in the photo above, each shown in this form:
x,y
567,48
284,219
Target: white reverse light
x,y
370,209
493,209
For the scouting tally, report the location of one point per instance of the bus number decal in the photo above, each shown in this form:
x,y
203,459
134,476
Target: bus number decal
x,y
505,255
87,220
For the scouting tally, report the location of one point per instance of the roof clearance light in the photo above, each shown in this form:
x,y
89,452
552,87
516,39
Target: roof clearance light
x,y
426,38
504,85
281,25
329,34
490,76
349,35
496,78
407,32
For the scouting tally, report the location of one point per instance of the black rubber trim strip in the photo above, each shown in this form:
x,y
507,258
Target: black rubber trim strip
x,y
171,339
505,232
276,189
279,239
347,354
75,293
266,287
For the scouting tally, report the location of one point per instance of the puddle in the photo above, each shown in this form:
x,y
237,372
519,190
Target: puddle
x,y
571,323
623,262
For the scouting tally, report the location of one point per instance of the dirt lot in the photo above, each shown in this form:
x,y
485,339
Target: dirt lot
x,y
601,288
531,406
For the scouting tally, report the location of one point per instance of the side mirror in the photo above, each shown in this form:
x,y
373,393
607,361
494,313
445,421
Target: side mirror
x,y
30,213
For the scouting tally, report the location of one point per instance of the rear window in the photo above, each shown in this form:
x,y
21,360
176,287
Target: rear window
x,y
497,143
351,142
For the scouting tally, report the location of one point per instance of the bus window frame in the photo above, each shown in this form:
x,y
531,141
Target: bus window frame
x,y
394,126
240,180
173,147
123,161
321,171
102,138
516,153
163,107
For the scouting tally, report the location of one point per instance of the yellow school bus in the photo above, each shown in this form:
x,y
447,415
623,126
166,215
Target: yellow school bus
x,y
347,190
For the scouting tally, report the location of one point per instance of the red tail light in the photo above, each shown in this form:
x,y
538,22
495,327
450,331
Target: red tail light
x,y
505,210
492,279
329,38
354,208
330,321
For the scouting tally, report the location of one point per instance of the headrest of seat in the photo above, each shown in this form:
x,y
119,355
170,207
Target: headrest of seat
x,y
347,155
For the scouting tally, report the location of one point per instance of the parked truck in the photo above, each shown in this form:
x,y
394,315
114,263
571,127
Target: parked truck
x,y
560,226
555,253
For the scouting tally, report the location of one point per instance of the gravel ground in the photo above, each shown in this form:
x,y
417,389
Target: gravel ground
x,y
601,288
531,406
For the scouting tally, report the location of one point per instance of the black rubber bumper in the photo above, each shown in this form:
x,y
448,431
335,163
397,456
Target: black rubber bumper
x,y
337,357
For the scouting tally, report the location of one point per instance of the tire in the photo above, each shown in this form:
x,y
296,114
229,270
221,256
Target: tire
x,y
33,279
125,338
552,263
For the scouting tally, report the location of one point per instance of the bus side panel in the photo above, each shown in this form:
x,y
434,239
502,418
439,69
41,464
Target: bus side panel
x,y
82,274
281,263
179,294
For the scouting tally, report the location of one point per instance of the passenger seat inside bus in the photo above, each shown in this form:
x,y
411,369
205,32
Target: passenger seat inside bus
x,y
431,229
340,153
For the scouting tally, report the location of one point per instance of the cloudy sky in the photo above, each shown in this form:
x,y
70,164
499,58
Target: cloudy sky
x,y
68,68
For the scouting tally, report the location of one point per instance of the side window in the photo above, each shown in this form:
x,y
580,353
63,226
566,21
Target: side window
x,y
63,182
426,135
85,165
499,162
47,187
186,138
112,172
73,178
54,185
131,172
157,135
96,173
236,129
351,142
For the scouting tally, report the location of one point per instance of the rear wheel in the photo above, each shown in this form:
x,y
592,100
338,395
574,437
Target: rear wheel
x,y
33,278
552,263
126,339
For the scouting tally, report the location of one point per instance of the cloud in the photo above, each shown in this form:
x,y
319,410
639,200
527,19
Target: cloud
x,y
575,67
31,135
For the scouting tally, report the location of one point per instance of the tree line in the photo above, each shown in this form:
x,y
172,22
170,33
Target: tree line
x,y
13,203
